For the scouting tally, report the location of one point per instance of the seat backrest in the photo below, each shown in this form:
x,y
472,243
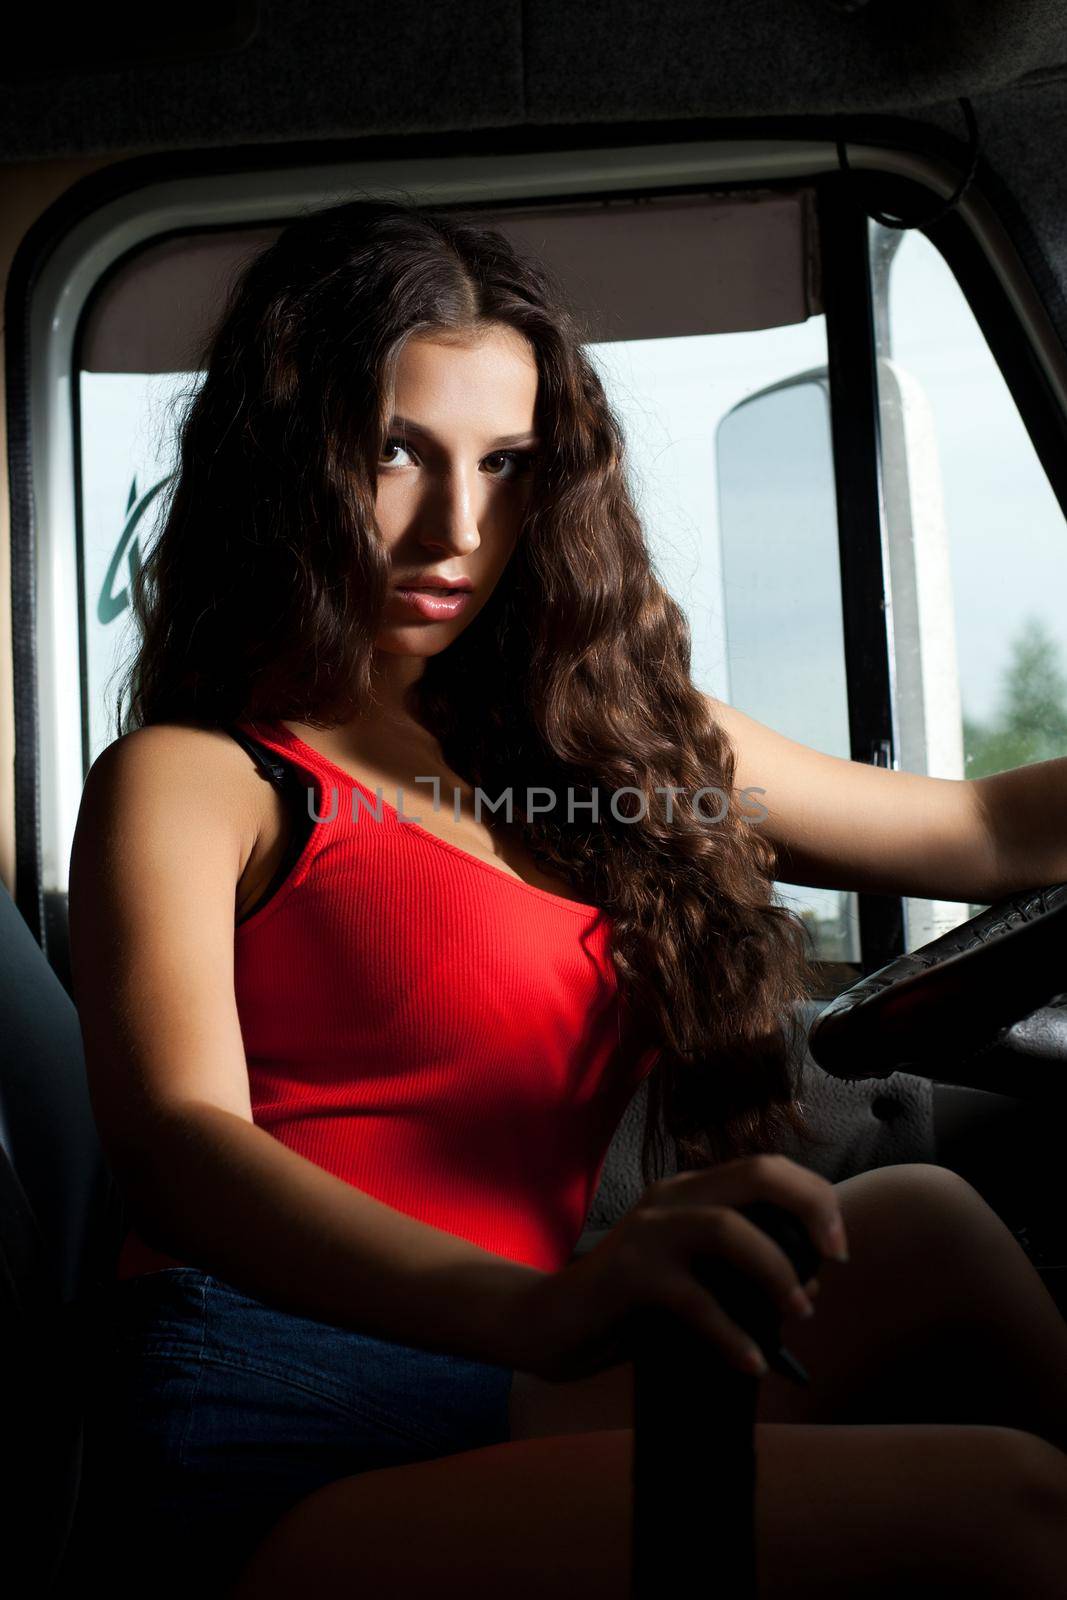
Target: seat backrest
x,y
874,1122
61,1224
46,1121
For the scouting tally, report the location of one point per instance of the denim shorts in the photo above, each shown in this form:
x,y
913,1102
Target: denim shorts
x,y
209,1413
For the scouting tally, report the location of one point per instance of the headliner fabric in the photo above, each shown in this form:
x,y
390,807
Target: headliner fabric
x,y
317,70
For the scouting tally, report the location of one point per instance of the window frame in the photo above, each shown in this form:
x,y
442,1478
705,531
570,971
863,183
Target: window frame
x,y
92,228
863,548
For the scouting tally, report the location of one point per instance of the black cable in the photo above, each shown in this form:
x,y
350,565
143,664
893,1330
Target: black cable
x,y
954,200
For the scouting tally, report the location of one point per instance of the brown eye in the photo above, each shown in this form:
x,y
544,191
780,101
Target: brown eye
x,y
391,444
522,462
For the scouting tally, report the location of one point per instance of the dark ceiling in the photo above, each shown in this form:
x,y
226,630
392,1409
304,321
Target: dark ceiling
x,y
237,71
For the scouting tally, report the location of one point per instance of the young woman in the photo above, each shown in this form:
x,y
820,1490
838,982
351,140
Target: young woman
x,y
359,1132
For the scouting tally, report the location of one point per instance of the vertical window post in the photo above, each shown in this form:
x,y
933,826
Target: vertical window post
x,y
850,341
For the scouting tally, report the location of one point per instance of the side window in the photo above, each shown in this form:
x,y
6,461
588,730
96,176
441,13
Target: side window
x,y
976,542
703,311
735,311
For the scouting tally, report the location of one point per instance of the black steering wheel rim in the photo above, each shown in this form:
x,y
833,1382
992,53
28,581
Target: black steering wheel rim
x,y
992,990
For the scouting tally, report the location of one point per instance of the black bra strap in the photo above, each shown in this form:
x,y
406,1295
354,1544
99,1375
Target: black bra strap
x,y
266,760
293,785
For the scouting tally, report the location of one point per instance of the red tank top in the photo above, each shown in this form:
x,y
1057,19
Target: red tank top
x,y
432,1030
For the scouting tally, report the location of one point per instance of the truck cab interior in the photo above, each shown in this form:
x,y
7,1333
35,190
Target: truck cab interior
x,y
820,254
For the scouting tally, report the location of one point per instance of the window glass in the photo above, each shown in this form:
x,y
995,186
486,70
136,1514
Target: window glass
x,y
978,556
128,449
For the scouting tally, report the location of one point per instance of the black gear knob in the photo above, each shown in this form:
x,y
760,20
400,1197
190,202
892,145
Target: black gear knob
x,y
745,1301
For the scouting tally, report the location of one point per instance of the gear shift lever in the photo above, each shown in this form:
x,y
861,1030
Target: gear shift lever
x,y
694,1467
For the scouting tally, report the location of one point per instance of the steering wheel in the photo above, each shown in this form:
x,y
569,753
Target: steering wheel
x,y
984,1005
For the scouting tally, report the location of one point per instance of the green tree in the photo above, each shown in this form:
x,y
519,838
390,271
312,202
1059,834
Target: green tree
x,y
1030,722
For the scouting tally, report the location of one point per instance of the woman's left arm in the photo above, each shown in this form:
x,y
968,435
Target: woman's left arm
x,y
841,824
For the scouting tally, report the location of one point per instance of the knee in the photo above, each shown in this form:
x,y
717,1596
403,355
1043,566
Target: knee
x,y
1038,1470
912,1209
921,1184
1029,1527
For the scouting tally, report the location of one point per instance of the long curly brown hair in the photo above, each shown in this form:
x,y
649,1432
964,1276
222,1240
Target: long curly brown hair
x,y
263,595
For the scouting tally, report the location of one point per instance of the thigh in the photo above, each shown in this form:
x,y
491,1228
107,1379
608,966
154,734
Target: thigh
x,y
926,1253
214,1412
540,1408
939,1315
916,1510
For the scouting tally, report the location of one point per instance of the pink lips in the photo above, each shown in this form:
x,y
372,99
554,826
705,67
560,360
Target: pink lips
x,y
437,605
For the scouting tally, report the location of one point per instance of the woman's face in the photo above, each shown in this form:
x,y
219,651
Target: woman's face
x,y
454,477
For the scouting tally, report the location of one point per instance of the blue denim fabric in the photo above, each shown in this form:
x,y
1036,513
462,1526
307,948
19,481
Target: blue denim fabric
x,y
210,1413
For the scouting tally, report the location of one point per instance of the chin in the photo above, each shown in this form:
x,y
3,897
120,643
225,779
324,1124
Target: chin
x,y
426,641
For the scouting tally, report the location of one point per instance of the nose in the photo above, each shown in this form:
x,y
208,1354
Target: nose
x,y
451,512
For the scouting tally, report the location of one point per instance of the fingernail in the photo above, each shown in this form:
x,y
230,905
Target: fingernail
x,y
834,1243
753,1362
798,1301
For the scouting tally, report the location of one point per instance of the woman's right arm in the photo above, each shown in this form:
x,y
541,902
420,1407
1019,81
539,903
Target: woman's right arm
x,y
164,829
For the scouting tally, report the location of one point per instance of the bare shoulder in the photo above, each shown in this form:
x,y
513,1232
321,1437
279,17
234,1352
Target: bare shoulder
x,y
169,744
186,775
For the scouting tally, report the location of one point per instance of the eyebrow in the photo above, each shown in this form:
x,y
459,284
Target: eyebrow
x,y
406,425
